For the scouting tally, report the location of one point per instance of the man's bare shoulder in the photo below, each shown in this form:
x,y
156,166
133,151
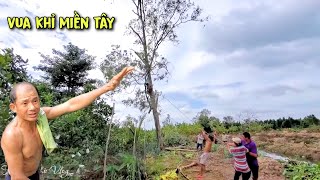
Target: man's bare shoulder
x,y
46,109
11,135
49,111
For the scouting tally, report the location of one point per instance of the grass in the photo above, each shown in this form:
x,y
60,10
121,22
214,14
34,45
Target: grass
x,y
215,147
164,162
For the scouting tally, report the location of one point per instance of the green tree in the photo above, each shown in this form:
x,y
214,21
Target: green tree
x,y
48,96
155,22
228,119
67,71
311,120
12,70
286,124
205,119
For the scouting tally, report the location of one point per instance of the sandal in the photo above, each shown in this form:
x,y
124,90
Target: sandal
x,y
199,177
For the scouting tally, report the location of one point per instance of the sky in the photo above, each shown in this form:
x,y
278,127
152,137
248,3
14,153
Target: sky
x,y
252,57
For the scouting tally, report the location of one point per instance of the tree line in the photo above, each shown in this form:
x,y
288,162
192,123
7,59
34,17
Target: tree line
x,y
230,124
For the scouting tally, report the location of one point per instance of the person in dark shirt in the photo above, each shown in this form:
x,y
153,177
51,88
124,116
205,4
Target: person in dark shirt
x,y
238,152
251,155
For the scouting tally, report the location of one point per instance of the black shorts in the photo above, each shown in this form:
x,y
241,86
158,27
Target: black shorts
x,y
35,176
254,170
199,145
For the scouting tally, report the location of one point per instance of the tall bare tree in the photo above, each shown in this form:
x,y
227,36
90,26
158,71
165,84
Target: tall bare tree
x,y
155,22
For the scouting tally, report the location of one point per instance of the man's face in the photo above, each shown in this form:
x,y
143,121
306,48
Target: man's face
x,y
27,104
242,137
245,139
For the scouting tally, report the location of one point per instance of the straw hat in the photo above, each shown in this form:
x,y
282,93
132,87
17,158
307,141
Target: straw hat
x,y
236,140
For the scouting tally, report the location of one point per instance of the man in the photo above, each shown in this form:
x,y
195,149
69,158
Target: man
x,y
204,157
21,142
251,155
238,152
200,139
215,135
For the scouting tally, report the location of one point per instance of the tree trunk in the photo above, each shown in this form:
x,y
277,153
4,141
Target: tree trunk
x,y
153,99
154,106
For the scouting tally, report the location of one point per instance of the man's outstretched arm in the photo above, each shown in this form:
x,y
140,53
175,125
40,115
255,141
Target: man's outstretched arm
x,y
86,99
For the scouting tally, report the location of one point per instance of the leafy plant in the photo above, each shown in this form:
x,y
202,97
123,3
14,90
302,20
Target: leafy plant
x,y
302,171
215,147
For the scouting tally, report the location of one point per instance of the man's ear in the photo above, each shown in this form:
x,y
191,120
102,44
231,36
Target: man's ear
x,y
12,107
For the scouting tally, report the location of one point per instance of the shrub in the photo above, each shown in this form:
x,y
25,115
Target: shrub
x,y
302,171
173,138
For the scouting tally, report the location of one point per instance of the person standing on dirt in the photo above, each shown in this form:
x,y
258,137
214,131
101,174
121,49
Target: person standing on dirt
x,y
204,156
215,135
200,139
238,152
251,155
21,141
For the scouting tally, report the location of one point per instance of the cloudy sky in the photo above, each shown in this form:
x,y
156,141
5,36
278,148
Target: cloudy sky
x,y
252,57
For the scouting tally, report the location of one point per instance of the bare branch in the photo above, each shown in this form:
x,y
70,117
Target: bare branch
x,y
135,3
136,81
135,13
161,36
137,54
136,34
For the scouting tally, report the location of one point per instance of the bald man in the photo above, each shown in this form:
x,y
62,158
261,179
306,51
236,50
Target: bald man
x,y
21,142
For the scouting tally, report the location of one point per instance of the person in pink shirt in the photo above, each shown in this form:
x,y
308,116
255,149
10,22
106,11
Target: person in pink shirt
x,y
238,152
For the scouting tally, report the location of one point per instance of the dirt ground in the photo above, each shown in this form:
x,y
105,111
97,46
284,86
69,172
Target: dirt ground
x,y
302,145
221,168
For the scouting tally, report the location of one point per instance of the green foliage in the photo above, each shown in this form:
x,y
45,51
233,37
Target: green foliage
x,y
311,120
314,128
205,120
233,129
48,96
228,125
215,147
12,71
188,129
302,171
220,128
226,153
256,127
291,123
173,138
179,134
155,166
67,71
126,166
163,162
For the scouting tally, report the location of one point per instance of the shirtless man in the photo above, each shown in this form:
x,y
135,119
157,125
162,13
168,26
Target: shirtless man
x,y
21,142
204,156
